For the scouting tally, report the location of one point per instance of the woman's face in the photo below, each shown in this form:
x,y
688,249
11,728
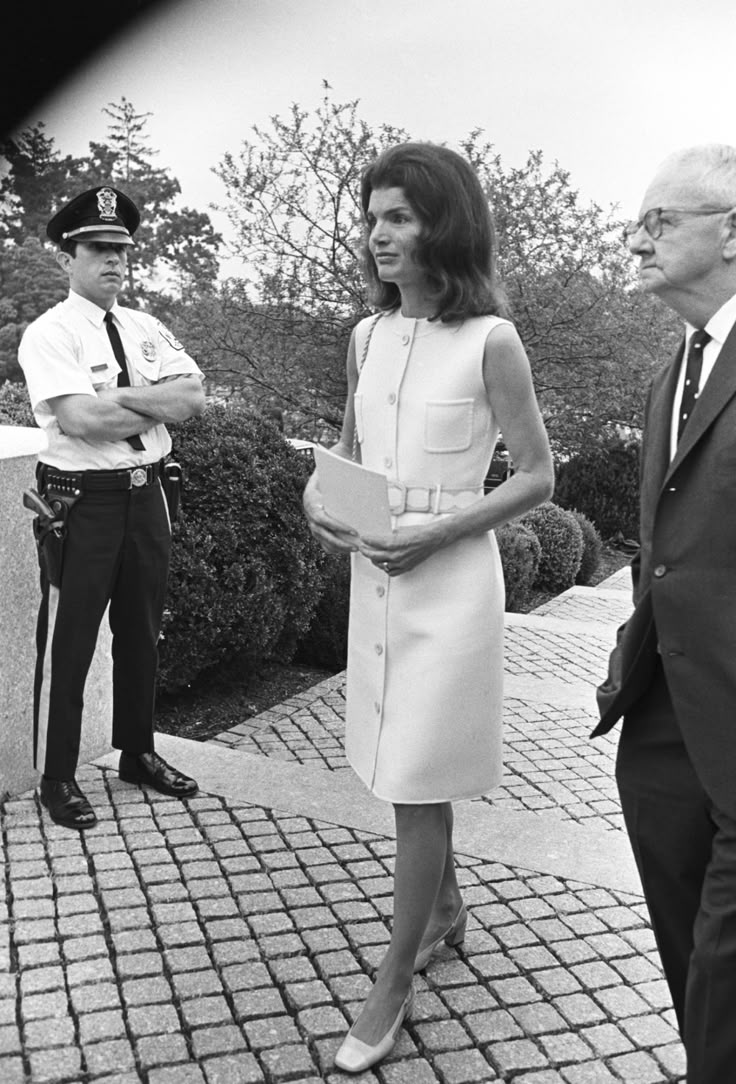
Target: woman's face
x,y
395,230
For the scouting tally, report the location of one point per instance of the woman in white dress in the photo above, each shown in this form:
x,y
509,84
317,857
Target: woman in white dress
x,y
432,378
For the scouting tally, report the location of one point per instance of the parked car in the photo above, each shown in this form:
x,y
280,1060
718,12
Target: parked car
x,y
304,447
500,467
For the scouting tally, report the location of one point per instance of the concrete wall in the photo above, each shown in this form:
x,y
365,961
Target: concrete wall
x,y
19,597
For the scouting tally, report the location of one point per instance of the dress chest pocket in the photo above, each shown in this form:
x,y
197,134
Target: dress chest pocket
x,y
448,425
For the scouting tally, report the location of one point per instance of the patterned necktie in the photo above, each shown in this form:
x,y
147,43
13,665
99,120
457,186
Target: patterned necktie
x,y
123,376
693,369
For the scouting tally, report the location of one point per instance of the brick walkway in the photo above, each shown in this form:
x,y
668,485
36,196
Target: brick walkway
x,y
230,939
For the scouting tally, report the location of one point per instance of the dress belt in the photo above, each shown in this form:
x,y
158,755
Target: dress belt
x,y
89,481
434,499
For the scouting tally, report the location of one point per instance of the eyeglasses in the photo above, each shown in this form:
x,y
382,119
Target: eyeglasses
x,y
652,220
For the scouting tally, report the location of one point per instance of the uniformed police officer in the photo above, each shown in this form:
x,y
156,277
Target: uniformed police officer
x,y
103,381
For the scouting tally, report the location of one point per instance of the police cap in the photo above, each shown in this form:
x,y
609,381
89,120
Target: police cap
x,y
100,214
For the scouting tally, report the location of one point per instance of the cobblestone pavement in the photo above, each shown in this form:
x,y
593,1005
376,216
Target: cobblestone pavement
x,y
230,939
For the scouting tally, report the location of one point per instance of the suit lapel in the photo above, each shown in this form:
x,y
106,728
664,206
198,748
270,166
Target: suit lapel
x,y
719,389
659,422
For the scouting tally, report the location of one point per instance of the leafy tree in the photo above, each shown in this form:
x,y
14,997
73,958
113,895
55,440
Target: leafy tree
x,y
593,338
176,251
30,283
34,176
176,248
293,201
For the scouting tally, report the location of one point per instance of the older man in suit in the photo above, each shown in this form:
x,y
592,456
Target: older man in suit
x,y
673,672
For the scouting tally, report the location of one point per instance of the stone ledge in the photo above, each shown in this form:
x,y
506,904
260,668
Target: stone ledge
x,y
527,840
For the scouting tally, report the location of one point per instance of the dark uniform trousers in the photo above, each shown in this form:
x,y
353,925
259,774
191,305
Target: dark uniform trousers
x,y
685,850
117,551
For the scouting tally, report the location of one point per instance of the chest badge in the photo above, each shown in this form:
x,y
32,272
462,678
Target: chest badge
x,y
148,350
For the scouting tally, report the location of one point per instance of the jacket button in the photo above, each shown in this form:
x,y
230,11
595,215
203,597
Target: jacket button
x,y
660,571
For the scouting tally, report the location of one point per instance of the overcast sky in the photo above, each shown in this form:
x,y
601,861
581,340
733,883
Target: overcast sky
x,y
605,88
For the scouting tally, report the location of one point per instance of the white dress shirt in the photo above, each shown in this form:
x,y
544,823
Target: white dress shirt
x,y
66,351
718,327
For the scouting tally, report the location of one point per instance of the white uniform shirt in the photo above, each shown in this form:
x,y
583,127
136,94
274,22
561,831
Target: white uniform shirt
x,y
719,328
66,351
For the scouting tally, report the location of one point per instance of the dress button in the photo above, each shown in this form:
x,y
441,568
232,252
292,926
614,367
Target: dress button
x,y
660,571
379,649
377,708
405,340
388,461
380,591
392,398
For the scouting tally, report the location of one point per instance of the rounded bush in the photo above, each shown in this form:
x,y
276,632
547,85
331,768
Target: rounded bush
x,y
15,406
603,483
592,549
520,555
325,644
246,574
561,539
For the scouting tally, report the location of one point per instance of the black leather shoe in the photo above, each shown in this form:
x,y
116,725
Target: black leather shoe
x,y
152,771
66,803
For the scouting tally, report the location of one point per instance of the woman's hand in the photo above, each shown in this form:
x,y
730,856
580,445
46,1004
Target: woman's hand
x,y
332,535
404,548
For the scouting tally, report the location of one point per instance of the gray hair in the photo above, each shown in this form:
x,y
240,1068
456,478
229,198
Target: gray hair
x,y
716,165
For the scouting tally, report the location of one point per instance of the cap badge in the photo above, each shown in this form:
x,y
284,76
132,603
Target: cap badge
x,y
107,203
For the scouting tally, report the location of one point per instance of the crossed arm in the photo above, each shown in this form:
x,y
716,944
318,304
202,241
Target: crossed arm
x,y
117,413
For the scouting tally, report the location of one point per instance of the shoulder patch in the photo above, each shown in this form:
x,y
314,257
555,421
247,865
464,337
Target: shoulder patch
x,y
168,337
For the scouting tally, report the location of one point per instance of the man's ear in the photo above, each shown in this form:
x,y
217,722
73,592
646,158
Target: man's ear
x,y
729,245
63,259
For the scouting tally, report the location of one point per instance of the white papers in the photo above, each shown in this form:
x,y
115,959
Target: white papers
x,y
352,493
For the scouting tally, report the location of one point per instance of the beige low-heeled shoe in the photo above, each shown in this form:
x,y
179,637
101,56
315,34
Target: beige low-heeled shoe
x,y
453,935
355,1056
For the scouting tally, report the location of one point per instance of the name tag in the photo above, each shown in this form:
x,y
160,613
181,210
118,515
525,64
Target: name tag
x,y
99,368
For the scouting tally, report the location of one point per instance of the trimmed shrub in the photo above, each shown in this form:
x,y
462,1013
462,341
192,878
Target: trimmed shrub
x,y
15,406
325,644
603,483
246,575
561,539
520,555
592,549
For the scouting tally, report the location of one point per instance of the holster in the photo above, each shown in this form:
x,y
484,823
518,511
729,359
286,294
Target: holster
x,y
50,549
50,534
171,480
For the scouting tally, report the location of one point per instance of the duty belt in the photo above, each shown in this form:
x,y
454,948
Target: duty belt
x,y
89,481
435,499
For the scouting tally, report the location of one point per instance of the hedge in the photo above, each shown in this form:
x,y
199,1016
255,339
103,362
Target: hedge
x,y
246,575
520,552
603,484
590,562
561,539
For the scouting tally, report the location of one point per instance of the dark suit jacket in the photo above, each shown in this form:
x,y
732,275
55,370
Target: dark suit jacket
x,y
685,576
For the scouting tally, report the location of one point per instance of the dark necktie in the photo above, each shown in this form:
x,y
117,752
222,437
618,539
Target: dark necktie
x,y
693,369
123,376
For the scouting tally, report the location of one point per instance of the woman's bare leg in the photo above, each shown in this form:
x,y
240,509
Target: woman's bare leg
x,y
449,899
421,858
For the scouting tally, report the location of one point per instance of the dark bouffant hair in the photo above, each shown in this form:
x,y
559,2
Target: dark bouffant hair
x,y
457,249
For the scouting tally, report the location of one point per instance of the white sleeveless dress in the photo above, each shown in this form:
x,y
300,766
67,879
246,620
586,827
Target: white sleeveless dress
x,y
425,649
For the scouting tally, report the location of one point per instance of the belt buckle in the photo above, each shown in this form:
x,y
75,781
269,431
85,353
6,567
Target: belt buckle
x,y
138,477
419,498
396,497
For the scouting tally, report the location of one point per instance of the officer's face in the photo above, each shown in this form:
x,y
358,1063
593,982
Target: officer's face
x,y
97,271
